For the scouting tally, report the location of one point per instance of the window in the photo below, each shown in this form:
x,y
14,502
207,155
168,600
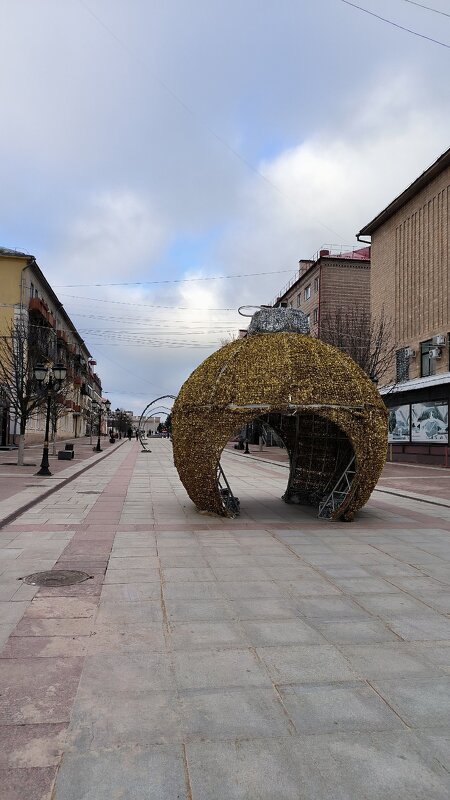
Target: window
x,y
401,366
308,319
427,364
316,284
316,315
307,292
31,290
299,299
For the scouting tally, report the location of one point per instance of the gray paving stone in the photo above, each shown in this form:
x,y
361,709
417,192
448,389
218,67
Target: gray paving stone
x,y
129,639
377,766
286,631
194,590
440,601
108,674
349,571
126,613
418,586
241,574
356,631
234,714
132,562
201,635
305,663
264,608
419,701
357,586
188,574
308,587
386,659
352,706
139,719
179,610
131,592
205,669
134,773
12,612
432,627
330,608
132,576
247,590
389,605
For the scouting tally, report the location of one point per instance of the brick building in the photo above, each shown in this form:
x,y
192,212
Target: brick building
x,y
409,278
26,295
332,280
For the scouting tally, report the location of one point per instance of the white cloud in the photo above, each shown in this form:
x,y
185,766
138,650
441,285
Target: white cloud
x,y
116,233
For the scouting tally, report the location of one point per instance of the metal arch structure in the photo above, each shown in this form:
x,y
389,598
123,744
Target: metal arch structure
x,y
144,414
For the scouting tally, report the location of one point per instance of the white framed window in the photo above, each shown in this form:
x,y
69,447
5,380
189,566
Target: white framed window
x,y
316,315
307,291
316,284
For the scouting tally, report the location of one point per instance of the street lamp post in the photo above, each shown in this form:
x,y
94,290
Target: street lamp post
x,y
98,449
52,377
108,409
246,451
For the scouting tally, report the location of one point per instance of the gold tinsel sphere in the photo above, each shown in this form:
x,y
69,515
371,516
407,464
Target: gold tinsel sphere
x,y
315,397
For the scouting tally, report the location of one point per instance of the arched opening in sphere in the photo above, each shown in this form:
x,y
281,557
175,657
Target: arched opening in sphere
x,y
322,405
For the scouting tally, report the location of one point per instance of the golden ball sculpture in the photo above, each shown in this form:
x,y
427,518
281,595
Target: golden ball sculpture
x,y
316,398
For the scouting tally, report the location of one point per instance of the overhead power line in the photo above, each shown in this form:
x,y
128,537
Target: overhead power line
x,y
396,25
194,114
174,280
428,8
140,305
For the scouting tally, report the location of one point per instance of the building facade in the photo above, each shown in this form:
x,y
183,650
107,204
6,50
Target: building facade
x,y
26,295
333,280
409,279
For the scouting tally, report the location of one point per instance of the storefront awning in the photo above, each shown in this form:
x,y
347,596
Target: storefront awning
x,y
417,383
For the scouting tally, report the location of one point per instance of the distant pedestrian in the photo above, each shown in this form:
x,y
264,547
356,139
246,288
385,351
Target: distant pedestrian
x,y
137,436
129,433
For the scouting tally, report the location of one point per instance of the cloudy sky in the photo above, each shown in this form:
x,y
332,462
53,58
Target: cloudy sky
x,y
150,148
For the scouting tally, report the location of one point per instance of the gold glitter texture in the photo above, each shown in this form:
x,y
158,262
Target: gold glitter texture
x,y
313,395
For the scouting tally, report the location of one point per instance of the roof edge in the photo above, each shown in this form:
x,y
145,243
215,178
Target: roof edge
x,y
414,188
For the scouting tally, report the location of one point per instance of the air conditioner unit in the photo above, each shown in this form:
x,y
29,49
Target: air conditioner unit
x,y
410,352
435,352
440,339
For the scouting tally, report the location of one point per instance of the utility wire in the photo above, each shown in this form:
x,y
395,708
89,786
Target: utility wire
x,y
141,305
193,113
428,8
174,280
395,24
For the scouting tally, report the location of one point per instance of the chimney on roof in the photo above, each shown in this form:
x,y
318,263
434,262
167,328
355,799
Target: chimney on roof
x,y
324,253
304,264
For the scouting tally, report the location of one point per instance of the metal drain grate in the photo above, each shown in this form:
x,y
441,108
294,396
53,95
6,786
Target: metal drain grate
x,y
56,577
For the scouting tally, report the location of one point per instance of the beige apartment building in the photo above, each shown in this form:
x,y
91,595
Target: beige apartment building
x,y
25,294
409,279
335,278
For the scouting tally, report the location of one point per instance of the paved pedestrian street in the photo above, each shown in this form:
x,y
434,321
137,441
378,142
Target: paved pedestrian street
x,y
270,656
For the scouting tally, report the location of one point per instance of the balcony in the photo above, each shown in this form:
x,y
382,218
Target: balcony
x,y
37,306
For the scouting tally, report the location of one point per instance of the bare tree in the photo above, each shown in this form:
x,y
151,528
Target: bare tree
x,y
21,348
59,408
227,338
368,340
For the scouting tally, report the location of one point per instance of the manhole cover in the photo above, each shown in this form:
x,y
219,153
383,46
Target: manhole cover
x,y
56,577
